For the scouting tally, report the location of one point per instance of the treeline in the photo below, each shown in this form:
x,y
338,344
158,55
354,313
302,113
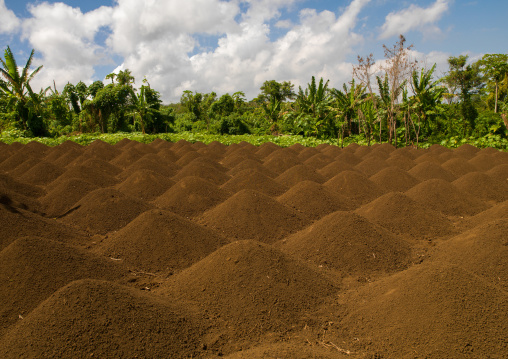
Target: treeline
x,y
399,101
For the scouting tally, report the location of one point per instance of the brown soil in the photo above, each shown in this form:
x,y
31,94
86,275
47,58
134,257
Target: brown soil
x,y
179,250
349,244
32,268
191,196
104,210
253,287
314,200
62,198
430,170
161,241
146,185
483,186
394,179
252,215
299,173
443,197
354,185
401,215
252,179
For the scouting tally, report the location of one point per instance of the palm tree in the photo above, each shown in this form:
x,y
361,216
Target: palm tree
x,y
16,87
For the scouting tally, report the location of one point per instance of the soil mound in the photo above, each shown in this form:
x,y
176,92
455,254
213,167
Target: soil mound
x,y
435,310
334,168
151,162
318,161
167,155
146,185
252,179
85,174
9,183
430,170
307,152
31,269
466,151
355,186
482,186
500,172
16,160
161,241
314,200
191,196
401,215
102,150
127,158
186,155
34,149
458,166
266,148
63,197
13,201
297,147
16,223
350,244
485,162
281,160
348,157
252,286
251,164
104,210
102,319
235,157
100,166
482,250
68,157
371,166
394,179
252,215
205,170
498,211
298,174
444,197
215,154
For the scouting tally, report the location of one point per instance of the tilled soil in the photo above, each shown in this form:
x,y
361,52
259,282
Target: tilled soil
x,y
187,250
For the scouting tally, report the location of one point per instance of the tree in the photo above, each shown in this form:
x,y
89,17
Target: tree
x,y
427,98
398,68
273,90
124,77
312,107
16,87
143,109
347,103
495,68
466,78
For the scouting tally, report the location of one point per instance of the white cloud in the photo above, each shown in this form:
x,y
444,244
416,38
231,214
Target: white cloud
x,y
160,40
9,23
65,38
414,18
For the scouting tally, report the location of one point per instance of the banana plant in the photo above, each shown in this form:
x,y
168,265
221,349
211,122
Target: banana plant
x,y
16,86
312,108
347,103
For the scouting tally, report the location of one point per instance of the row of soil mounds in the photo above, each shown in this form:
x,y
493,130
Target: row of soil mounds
x,y
183,250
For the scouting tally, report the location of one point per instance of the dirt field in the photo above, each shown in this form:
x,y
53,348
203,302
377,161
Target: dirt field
x,y
180,250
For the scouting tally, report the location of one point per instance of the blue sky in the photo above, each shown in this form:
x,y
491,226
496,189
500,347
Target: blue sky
x,y
228,46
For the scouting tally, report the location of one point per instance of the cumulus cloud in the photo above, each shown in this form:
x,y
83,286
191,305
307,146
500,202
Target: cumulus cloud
x,y
9,23
160,40
66,39
414,18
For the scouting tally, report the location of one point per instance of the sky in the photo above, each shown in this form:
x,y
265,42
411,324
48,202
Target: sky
x,y
236,45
